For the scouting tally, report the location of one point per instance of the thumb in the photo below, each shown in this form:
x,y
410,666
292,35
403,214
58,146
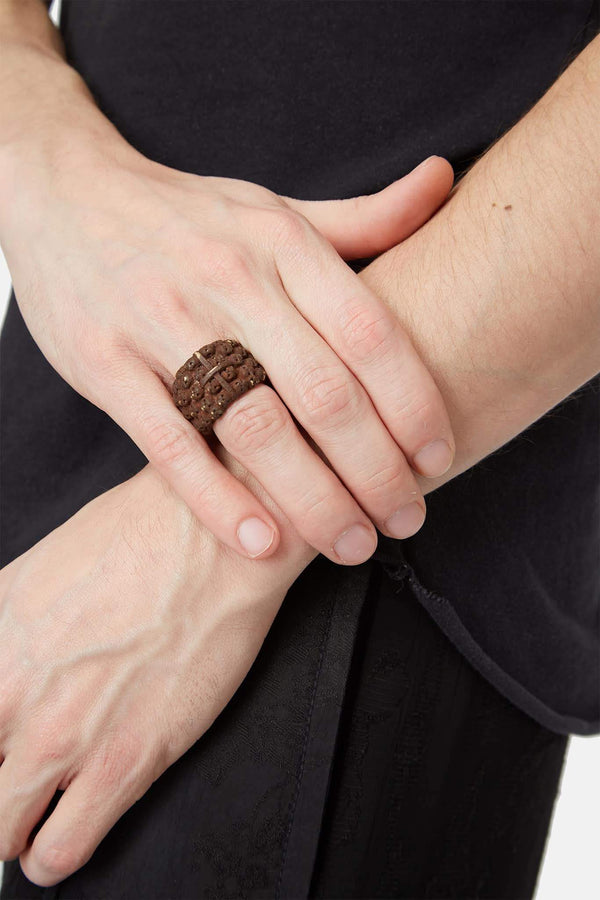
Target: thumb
x,y
366,226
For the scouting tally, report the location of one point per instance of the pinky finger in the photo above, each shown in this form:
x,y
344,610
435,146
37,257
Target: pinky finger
x,y
71,834
184,458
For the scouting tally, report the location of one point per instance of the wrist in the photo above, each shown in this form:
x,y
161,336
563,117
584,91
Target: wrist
x,y
445,302
293,555
50,124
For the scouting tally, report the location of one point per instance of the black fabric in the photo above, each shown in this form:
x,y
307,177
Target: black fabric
x,y
432,785
442,788
317,100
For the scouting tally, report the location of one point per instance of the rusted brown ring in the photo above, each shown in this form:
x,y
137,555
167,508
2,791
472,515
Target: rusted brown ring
x,y
212,379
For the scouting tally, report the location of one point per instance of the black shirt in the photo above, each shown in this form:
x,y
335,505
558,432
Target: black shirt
x,y
332,99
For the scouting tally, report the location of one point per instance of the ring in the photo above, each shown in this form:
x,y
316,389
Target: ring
x,y
212,379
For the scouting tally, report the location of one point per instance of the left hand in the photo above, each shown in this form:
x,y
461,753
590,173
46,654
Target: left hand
x,y
123,634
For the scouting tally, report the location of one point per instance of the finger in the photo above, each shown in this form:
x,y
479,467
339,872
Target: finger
x,y
84,815
184,458
366,226
336,411
367,336
260,433
24,797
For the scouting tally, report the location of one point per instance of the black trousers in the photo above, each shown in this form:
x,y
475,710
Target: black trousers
x,y
436,787
442,787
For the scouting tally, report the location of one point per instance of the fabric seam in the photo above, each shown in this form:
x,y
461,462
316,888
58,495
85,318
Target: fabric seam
x,y
486,665
300,774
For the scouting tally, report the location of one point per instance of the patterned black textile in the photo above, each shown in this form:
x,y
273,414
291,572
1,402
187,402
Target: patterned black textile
x,y
328,99
402,730
361,757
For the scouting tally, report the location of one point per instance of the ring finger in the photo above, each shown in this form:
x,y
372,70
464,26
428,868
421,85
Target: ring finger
x,y
259,432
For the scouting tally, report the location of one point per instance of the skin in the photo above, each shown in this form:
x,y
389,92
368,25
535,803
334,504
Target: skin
x,y
500,291
502,304
123,689
195,618
145,283
118,295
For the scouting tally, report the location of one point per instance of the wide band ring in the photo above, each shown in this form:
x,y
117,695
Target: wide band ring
x,y
212,379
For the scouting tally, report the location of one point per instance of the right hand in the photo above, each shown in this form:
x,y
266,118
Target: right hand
x,y
123,267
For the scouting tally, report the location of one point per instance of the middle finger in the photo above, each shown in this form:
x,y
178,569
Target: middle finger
x,y
336,411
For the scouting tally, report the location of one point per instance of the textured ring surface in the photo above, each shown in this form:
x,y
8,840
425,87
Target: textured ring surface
x,y
211,379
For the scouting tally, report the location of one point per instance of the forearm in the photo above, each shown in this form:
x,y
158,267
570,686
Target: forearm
x,y
500,291
46,109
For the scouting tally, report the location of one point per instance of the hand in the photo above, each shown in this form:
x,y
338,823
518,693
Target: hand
x,y
135,265
123,634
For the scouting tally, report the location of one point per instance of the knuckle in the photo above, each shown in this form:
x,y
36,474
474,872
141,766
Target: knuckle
x,y
316,512
147,286
288,226
227,266
366,334
256,422
167,443
384,482
103,359
328,398
421,408
58,862
118,762
111,767
162,303
53,749
96,352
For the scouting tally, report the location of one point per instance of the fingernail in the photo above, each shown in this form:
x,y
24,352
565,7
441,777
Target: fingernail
x,y
255,536
355,545
425,163
406,521
434,459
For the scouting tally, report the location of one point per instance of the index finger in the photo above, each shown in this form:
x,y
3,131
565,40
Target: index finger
x,y
371,342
